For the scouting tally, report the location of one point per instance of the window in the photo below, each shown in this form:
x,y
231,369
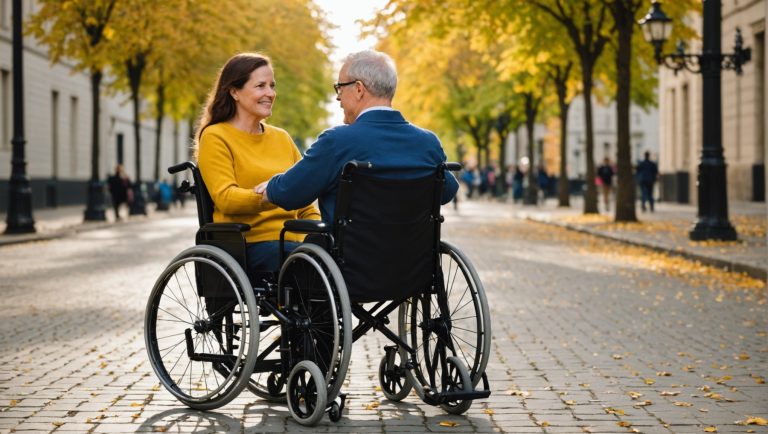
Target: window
x,y
73,119
54,133
686,126
5,5
5,109
758,53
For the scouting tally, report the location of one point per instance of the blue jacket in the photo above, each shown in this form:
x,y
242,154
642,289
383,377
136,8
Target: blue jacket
x,y
381,137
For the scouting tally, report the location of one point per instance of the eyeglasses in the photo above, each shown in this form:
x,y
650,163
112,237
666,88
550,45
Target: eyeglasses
x,y
337,86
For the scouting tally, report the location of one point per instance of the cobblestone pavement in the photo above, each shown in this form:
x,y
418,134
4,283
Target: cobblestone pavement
x,y
586,339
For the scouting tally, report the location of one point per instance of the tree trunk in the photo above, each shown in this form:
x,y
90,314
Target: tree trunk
x,y
160,108
532,192
564,189
590,196
625,188
134,77
135,68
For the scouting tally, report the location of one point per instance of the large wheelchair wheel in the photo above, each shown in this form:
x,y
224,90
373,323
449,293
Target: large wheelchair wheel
x,y
201,328
315,296
460,327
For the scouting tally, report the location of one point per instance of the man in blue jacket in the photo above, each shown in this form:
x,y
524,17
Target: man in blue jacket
x,y
374,132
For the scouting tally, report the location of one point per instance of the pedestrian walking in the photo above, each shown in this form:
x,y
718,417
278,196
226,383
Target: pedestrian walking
x,y
118,184
517,184
605,174
647,172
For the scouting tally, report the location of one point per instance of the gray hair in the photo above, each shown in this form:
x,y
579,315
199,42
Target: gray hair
x,y
375,69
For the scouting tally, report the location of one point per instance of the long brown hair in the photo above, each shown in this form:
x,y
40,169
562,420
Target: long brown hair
x,y
220,106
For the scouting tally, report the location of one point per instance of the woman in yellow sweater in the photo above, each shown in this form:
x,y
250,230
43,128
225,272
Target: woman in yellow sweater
x,y
237,150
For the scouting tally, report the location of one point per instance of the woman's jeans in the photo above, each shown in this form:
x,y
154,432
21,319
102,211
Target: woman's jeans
x,y
265,255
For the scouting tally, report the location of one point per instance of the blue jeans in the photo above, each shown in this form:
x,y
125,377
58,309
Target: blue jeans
x,y
265,255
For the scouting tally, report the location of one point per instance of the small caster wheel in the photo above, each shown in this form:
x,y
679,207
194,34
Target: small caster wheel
x,y
334,413
307,393
392,378
458,380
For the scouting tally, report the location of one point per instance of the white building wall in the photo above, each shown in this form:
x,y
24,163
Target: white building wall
x,y
644,134
743,104
63,151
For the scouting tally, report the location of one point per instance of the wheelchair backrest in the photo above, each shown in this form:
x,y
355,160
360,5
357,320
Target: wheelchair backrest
x,y
387,233
210,282
204,201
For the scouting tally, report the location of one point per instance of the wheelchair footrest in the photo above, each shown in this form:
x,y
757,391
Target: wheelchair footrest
x,y
437,398
204,357
443,397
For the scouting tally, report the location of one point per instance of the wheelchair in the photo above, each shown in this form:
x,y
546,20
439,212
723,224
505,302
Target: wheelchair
x,y
211,330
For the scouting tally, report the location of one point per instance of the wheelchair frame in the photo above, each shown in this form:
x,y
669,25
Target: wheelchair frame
x,y
454,390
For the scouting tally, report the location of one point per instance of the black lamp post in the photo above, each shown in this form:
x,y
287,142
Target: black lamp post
x,y
19,219
712,223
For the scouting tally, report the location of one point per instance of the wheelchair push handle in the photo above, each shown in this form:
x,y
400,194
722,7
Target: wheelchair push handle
x,y
353,165
182,166
452,166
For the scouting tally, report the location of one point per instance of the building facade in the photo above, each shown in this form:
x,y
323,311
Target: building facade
x,y
57,121
743,107
644,133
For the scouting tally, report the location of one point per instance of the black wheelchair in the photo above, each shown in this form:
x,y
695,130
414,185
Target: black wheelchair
x,y
211,330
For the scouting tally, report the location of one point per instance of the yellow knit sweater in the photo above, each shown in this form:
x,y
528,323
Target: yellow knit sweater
x,y
232,162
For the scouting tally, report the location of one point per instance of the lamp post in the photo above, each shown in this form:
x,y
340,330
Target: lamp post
x,y
19,219
712,221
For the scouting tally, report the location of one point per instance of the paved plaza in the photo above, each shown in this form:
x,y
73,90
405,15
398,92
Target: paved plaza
x,y
588,336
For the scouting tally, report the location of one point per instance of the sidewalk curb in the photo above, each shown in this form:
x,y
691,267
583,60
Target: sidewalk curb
x,y
750,270
66,231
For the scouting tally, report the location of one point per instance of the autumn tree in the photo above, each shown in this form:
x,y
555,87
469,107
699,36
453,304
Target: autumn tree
x,y
634,77
80,31
303,71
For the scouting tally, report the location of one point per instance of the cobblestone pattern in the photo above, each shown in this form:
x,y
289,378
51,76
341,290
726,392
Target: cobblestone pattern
x,y
574,335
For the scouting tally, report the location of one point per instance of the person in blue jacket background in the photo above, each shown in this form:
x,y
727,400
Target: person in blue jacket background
x,y
373,132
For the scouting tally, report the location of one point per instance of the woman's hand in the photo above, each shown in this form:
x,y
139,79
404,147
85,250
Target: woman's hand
x,y
262,190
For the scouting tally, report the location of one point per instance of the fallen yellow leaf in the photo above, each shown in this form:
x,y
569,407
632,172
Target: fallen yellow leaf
x,y
136,404
650,381
611,410
488,411
449,423
624,424
683,404
570,402
751,420
58,423
670,392
710,429
663,374
634,395
743,356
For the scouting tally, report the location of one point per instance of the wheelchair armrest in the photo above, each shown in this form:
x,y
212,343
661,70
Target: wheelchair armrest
x,y
225,227
306,226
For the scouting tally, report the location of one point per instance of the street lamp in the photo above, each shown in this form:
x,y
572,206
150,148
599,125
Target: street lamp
x,y
19,219
712,221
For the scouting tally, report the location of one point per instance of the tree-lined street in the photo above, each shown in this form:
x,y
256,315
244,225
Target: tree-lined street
x,y
588,337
